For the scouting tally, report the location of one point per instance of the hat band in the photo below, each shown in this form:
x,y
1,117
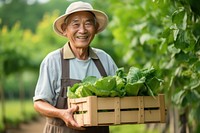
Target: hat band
x,y
78,9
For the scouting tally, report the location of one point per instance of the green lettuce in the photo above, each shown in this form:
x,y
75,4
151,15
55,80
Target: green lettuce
x,y
137,82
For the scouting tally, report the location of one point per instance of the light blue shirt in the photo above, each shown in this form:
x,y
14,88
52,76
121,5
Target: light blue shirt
x,y
49,81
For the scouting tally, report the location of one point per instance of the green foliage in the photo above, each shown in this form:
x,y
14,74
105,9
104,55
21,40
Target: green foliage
x,y
17,10
24,86
186,59
28,14
164,34
15,114
10,50
137,128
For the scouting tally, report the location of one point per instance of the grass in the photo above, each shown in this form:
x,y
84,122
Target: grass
x,y
132,128
17,112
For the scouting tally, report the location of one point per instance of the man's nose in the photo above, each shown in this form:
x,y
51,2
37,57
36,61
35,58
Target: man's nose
x,y
82,28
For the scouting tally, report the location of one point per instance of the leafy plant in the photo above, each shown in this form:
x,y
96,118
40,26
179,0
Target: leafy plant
x,y
135,82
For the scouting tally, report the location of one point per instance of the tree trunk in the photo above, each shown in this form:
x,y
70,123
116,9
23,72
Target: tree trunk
x,y
21,94
3,110
184,122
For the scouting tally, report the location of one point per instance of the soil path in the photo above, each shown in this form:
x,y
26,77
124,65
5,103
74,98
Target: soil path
x,y
31,127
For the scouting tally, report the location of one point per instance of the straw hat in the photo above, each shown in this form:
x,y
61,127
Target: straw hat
x,y
101,17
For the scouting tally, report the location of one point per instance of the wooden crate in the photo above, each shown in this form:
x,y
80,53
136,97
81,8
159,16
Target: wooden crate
x,y
97,111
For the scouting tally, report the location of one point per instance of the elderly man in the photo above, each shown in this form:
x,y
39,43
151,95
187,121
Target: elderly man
x,y
69,65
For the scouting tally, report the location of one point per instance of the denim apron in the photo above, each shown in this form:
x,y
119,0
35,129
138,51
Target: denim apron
x,y
56,125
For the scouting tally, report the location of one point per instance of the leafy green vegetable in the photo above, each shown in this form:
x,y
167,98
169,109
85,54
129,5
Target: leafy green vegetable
x,y
83,91
105,83
90,79
134,75
132,89
120,85
134,83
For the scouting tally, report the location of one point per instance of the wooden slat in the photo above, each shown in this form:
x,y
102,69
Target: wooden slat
x,y
151,116
92,110
162,108
129,102
78,100
106,103
80,119
129,116
82,107
117,110
141,109
106,118
150,101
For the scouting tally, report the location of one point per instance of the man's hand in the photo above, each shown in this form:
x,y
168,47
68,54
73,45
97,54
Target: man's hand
x,y
65,114
68,118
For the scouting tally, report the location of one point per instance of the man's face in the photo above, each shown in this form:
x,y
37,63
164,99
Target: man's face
x,y
81,29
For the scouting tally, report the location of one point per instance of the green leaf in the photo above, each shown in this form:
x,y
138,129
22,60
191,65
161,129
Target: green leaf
x,y
120,72
178,97
193,97
74,87
71,91
150,92
132,89
149,73
154,84
179,17
172,49
120,83
182,57
143,91
114,93
185,41
134,75
83,91
105,83
71,95
90,79
184,102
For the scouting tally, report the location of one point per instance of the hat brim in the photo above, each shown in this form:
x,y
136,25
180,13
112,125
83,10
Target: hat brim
x,y
101,17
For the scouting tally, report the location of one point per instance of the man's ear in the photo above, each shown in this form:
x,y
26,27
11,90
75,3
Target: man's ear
x,y
63,27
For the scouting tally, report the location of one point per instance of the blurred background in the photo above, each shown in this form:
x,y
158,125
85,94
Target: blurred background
x,y
164,34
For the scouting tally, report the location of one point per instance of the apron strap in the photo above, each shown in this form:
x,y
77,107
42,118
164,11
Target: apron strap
x,y
100,67
65,66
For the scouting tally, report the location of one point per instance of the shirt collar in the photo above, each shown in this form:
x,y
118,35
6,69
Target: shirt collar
x,y
68,54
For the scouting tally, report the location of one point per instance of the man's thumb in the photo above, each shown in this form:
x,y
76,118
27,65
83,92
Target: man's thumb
x,y
74,108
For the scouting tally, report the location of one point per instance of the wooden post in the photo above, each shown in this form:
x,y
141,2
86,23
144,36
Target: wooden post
x,y
161,100
21,93
117,110
92,110
141,109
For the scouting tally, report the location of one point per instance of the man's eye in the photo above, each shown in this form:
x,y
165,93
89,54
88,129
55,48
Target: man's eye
x,y
75,24
89,23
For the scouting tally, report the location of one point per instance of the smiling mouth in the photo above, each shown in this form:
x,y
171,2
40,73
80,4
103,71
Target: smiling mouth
x,y
82,37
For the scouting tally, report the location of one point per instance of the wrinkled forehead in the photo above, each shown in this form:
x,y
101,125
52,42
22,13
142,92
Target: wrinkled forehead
x,y
86,15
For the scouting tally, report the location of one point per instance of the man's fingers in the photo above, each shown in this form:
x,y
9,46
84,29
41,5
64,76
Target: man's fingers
x,y
73,109
75,127
70,119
